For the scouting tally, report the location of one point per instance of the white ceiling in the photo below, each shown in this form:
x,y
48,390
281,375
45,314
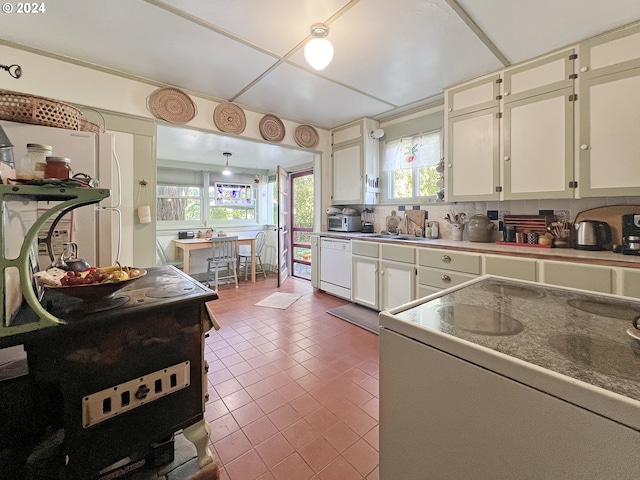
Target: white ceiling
x,y
390,55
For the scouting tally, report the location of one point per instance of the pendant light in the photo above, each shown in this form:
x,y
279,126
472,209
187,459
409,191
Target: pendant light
x,y
318,51
226,170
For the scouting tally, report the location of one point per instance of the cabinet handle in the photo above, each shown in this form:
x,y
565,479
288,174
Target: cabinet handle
x,y
506,93
506,158
451,109
584,146
446,258
445,278
450,165
584,69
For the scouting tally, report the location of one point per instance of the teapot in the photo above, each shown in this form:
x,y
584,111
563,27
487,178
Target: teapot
x,y
480,229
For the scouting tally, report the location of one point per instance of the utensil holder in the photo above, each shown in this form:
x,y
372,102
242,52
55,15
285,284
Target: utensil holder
x,y
456,231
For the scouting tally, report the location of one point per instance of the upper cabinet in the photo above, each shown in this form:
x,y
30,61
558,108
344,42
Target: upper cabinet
x,y
355,161
517,144
537,147
609,116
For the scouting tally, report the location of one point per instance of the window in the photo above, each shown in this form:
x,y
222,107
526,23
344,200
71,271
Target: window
x,y
182,196
413,165
231,202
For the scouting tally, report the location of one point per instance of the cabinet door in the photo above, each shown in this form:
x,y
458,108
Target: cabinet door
x,y
315,261
364,281
347,174
609,139
631,283
610,53
511,267
538,148
473,150
587,277
542,76
473,96
397,284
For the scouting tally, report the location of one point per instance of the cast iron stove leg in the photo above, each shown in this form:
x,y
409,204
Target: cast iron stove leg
x,y
198,434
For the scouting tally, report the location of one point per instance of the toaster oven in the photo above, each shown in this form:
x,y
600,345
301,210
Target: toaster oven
x,y
344,223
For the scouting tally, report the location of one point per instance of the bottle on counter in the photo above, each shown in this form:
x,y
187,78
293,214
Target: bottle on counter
x,y
33,163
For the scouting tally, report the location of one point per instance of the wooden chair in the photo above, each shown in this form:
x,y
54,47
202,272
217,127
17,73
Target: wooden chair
x,y
245,255
224,255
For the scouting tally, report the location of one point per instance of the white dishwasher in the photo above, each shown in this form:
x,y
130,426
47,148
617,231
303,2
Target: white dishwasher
x,y
335,267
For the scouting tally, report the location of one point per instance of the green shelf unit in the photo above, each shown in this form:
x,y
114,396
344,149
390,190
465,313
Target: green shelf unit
x,y
69,198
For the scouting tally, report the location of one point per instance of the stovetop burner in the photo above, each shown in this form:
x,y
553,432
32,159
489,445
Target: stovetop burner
x,y
483,321
81,308
606,308
513,290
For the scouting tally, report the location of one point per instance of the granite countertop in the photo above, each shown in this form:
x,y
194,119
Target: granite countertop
x,y
569,332
606,258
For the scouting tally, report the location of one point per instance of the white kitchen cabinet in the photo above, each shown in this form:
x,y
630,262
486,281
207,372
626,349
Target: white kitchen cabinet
x,y
473,96
595,278
397,275
609,116
315,261
521,145
511,267
472,156
364,273
537,129
355,161
630,282
439,269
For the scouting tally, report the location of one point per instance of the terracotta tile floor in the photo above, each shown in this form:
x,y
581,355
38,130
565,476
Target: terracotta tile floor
x,y
293,393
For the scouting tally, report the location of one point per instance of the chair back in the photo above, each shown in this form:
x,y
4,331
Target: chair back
x,y
164,260
261,239
224,249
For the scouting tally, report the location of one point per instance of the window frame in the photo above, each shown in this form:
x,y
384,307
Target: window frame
x,y
431,121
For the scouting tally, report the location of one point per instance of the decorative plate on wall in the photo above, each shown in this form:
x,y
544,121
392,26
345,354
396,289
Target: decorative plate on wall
x,y
306,136
172,105
271,128
229,118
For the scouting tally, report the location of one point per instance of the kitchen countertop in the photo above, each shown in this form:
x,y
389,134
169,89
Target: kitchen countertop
x,y
569,332
604,257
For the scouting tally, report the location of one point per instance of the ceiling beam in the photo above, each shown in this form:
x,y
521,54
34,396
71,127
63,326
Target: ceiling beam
x,y
455,6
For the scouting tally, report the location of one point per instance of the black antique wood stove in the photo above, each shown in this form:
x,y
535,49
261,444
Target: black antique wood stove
x,y
123,373
106,377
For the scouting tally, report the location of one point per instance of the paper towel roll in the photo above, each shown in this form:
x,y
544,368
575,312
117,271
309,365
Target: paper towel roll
x,y
144,214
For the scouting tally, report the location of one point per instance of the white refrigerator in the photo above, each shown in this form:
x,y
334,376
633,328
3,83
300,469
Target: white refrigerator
x,y
95,229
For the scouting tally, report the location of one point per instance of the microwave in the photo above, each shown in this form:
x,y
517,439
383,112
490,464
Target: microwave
x,y
344,223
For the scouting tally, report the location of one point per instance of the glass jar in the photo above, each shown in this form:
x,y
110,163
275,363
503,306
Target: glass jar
x,y
57,167
32,163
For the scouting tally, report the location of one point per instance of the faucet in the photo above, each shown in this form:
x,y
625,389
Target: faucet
x,y
406,223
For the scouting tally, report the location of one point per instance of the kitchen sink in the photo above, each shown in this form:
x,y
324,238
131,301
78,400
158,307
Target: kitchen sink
x,y
398,236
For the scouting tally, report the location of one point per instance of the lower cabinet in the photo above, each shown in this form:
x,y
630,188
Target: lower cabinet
x,y
364,273
315,261
397,276
630,282
511,267
595,278
382,278
439,269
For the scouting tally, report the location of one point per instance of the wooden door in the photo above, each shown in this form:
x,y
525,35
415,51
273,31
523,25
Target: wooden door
x,y
284,231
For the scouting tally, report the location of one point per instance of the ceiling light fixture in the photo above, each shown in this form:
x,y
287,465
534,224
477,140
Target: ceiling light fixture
x,y
318,51
226,170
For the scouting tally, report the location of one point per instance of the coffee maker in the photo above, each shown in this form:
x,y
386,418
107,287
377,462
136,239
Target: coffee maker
x,y
631,234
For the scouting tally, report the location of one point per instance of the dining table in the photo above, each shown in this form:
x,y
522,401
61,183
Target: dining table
x,y
187,245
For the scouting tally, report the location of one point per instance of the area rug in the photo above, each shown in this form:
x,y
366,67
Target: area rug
x,y
358,315
279,300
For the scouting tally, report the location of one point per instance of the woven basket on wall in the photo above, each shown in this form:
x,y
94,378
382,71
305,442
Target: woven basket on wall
x,y
85,125
26,108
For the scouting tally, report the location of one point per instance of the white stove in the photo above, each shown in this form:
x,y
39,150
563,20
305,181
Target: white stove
x,y
507,379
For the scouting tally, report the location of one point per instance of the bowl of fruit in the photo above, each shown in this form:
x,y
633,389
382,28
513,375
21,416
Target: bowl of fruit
x,y
90,284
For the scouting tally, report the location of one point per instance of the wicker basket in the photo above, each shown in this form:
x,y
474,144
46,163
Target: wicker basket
x,y
25,108
85,125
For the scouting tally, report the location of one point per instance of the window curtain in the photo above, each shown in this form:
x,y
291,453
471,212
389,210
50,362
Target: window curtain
x,y
413,152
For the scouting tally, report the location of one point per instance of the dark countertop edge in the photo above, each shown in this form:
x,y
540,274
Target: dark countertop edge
x,y
603,257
